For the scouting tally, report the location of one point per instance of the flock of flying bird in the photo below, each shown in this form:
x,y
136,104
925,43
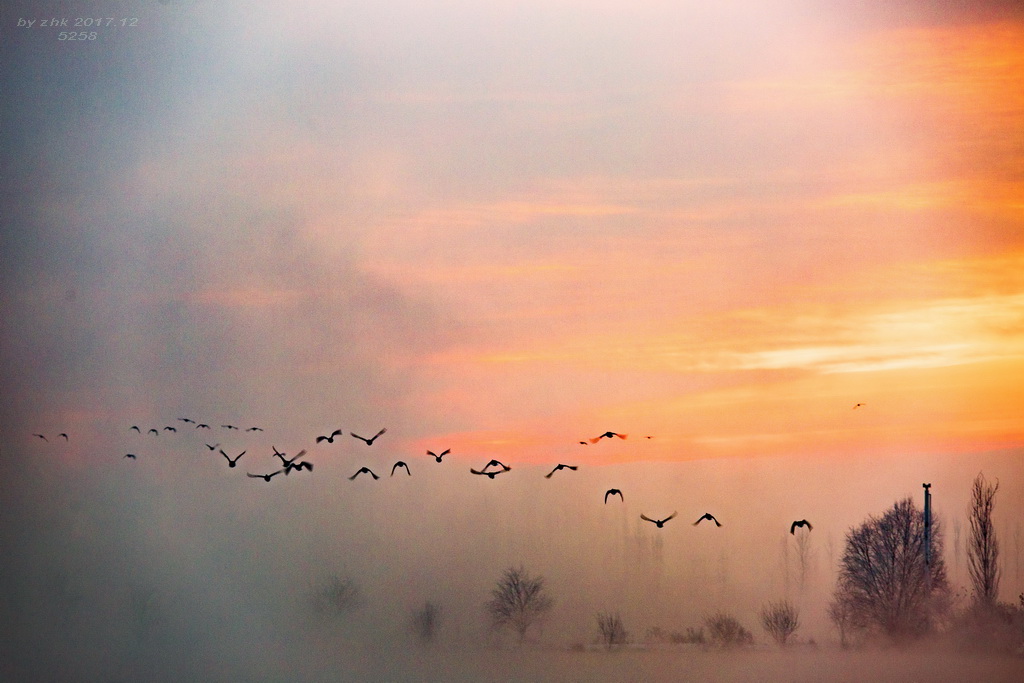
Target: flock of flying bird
x,y
296,463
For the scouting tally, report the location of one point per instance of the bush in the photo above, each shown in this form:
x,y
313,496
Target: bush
x,y
724,630
780,620
335,596
694,636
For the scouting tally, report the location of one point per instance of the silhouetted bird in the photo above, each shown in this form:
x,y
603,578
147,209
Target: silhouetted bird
x,y
264,477
329,439
136,428
497,463
369,442
154,432
857,406
229,427
608,435
438,457
170,429
613,492
584,443
202,426
231,463
657,522
64,435
254,429
213,447
400,464
799,522
297,466
185,419
491,475
288,463
130,455
707,515
560,466
361,470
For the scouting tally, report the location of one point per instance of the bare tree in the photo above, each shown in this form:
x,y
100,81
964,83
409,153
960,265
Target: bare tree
x,y
884,582
780,620
982,546
840,611
517,601
426,621
612,631
725,630
804,556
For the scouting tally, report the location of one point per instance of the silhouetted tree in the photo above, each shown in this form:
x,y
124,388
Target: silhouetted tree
x,y
780,620
517,601
335,596
725,630
612,631
840,611
425,622
884,582
983,547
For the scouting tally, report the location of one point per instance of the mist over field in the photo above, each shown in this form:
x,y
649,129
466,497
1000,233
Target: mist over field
x,y
777,244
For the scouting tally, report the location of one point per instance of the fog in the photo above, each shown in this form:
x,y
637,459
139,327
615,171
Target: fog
x,y
175,566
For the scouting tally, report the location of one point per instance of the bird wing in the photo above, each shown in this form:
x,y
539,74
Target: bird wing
x,y
337,432
622,436
670,516
792,528
548,475
384,429
475,472
361,438
646,518
594,440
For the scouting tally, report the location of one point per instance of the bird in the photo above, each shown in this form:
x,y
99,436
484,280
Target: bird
x,y
799,522
560,466
185,419
213,447
613,492
170,429
608,435
369,442
154,432
584,443
857,406
497,463
297,466
438,457
131,455
492,475
42,437
400,464
288,463
228,427
657,522
202,426
254,429
707,515
64,435
329,439
136,428
361,470
231,463
264,477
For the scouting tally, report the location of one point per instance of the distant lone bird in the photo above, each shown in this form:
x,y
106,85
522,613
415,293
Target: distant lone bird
x,y
584,443
613,492
213,447
490,475
185,419
202,426
438,457
297,466
231,463
42,437
400,464
857,406
170,429
130,455
329,439
136,428
154,432
608,435
264,477
254,429
560,466
497,463
707,515
361,470
799,522
64,435
229,427
369,442
657,522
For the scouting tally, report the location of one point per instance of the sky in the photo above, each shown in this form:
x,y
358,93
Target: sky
x,y
784,240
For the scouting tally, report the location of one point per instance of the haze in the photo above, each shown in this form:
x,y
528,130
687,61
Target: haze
x,y
784,240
